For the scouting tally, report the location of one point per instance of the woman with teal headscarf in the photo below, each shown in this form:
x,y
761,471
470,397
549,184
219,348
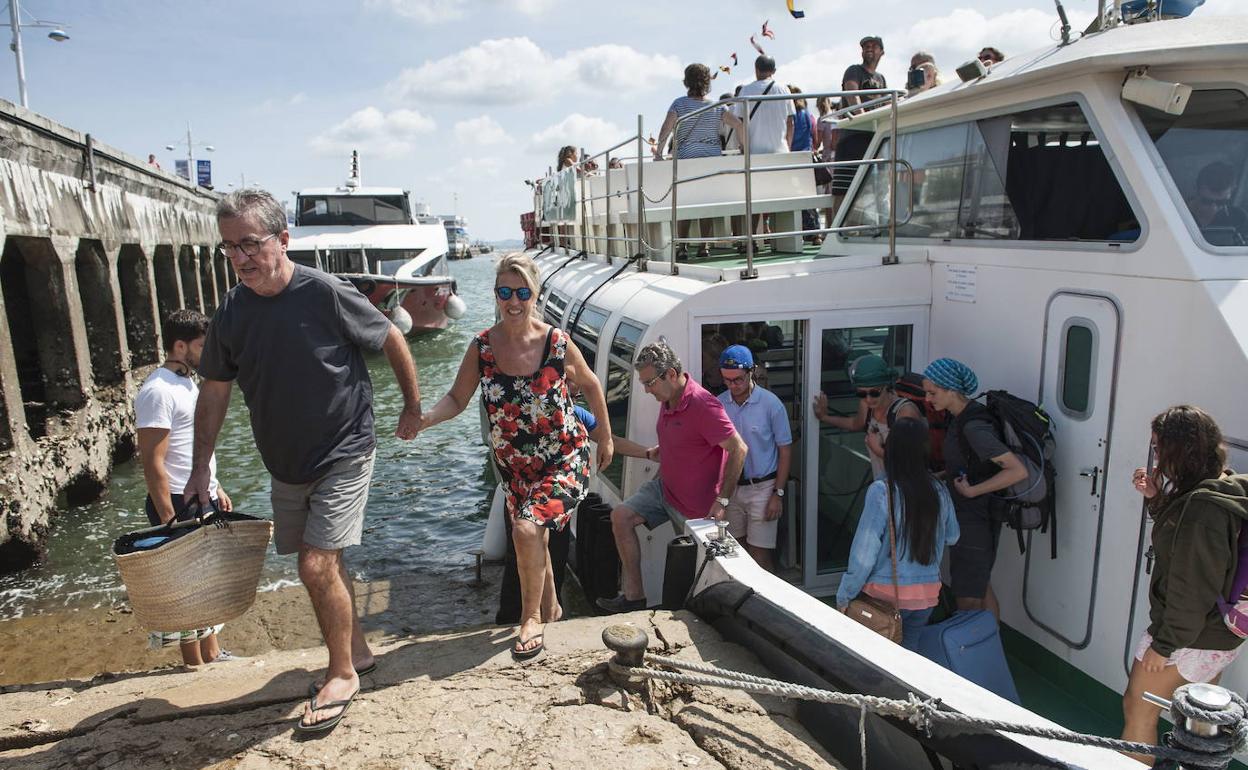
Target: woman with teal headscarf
x,y
878,406
951,386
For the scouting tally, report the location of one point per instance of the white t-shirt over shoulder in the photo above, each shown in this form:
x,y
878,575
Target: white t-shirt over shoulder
x,y
768,123
167,400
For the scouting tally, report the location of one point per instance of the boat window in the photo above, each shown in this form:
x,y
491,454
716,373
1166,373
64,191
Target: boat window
x,y
586,332
552,313
1206,152
845,465
1075,378
354,210
1036,175
619,388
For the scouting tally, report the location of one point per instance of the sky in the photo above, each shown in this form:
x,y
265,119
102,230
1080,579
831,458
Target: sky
x,y
458,101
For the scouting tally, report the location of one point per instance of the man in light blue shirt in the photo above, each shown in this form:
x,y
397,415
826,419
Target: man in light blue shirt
x,y
759,417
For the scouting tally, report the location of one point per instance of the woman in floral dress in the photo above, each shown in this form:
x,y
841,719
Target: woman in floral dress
x,y
525,369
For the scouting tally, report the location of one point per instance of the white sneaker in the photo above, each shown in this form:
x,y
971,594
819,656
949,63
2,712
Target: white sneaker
x,y
225,656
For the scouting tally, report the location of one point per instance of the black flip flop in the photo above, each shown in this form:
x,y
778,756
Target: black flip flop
x,y
528,654
330,723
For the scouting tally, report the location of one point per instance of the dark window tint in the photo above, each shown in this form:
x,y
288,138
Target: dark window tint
x,y
552,313
1206,152
1076,386
1038,175
321,210
619,388
585,334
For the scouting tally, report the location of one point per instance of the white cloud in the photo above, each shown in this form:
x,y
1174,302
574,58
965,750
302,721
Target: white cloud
x,y
481,131
374,132
1223,8
579,131
515,70
437,11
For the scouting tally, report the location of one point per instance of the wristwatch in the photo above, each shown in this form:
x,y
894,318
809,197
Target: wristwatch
x,y
723,501
779,491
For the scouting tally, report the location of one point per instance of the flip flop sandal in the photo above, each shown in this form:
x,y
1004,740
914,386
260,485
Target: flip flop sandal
x,y
330,723
315,687
530,653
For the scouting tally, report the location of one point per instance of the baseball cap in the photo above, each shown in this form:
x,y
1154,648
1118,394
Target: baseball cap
x,y
736,357
871,39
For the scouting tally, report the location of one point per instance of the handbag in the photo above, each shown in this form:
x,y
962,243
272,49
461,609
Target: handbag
x,y
823,174
876,614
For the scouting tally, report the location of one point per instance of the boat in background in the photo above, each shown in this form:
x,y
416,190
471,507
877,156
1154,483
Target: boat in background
x,y
457,243
369,236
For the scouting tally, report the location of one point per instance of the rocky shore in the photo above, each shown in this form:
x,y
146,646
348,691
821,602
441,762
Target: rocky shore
x,y
441,700
80,690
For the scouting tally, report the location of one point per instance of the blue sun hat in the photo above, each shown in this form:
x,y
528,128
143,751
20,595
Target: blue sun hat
x,y
951,374
736,357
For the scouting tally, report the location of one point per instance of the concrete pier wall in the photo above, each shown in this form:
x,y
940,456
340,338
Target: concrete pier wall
x,y
95,247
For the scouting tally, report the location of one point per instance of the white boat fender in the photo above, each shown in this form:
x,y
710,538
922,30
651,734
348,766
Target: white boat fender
x,y
402,319
455,307
494,543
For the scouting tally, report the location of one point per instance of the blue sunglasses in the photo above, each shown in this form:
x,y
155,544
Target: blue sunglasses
x,y
504,293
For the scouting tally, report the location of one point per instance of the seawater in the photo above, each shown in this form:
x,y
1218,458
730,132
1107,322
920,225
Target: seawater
x,y
427,507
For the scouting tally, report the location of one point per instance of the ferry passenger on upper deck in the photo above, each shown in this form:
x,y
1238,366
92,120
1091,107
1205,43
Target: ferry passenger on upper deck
x,y
923,74
827,136
879,407
759,417
1222,223
770,123
697,137
853,144
990,56
1196,588
924,524
950,386
294,338
700,458
527,370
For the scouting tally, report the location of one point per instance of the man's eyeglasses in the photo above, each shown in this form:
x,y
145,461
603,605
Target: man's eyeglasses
x,y
735,380
652,380
870,392
249,246
1216,203
504,293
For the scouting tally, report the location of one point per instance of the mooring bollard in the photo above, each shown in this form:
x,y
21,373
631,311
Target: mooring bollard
x,y
1207,720
629,644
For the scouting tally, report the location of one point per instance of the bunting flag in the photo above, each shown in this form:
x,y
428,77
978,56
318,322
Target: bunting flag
x,y
767,33
734,60
714,75
795,13
725,70
757,47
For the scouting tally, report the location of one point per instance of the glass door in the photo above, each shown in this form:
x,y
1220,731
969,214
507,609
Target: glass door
x,y
838,466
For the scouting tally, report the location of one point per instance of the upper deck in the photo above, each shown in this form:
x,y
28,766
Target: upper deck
x,y
1043,163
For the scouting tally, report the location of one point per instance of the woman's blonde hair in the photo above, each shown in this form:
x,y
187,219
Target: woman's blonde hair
x,y
522,265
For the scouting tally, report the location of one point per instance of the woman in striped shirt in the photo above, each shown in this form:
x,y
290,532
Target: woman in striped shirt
x,y
697,137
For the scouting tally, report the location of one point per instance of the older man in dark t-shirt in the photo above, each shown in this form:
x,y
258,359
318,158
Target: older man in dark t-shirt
x,y
294,338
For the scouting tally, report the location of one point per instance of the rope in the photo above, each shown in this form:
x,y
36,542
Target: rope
x,y
1190,751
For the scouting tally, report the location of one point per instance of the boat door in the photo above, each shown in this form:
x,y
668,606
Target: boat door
x,y
1077,387
838,470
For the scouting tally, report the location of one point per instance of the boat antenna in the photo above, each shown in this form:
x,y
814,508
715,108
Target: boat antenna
x,y
1061,14
354,180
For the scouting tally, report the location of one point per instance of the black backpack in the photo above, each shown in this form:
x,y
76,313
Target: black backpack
x,y
1026,429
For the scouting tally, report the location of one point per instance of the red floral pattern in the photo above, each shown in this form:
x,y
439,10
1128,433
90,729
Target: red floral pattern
x,y
539,444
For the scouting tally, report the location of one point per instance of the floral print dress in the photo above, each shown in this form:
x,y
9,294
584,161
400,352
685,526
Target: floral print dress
x,y
540,446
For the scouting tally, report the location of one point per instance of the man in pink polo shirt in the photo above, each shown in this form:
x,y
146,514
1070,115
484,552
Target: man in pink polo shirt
x,y
700,459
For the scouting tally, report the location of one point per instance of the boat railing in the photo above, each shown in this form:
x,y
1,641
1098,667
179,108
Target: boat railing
x,y
556,230
870,98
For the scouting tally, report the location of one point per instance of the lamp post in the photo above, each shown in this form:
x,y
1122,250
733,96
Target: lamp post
x,y
15,23
190,150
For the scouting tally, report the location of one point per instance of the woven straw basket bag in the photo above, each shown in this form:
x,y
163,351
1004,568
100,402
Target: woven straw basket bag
x,y
202,578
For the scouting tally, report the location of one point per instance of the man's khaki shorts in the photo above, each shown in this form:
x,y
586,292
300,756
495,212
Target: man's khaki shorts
x,y
747,512
327,513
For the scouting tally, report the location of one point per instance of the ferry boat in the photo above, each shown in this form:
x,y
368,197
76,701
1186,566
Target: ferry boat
x,y
369,236
458,245
1045,230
